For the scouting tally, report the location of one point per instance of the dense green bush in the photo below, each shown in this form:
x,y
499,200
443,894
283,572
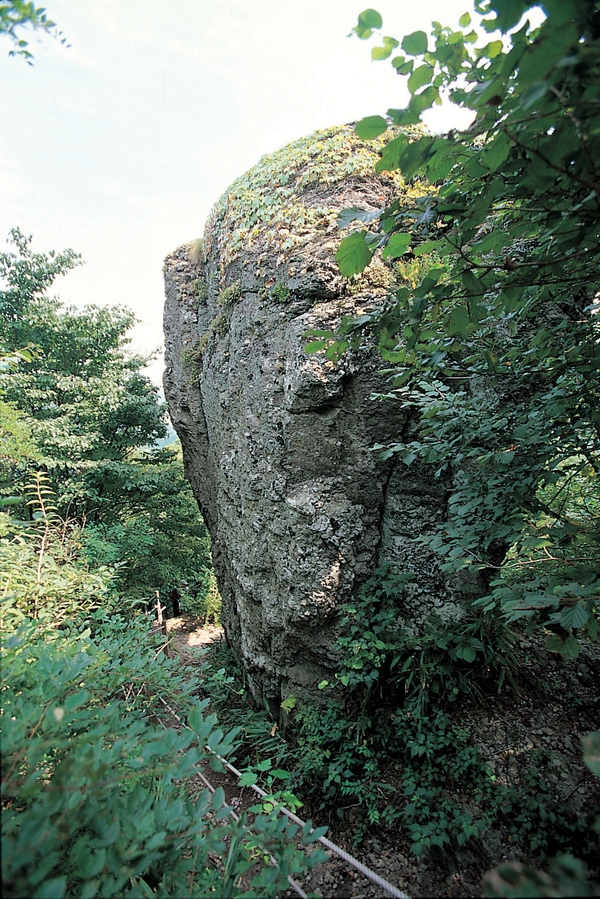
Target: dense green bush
x,y
94,789
98,793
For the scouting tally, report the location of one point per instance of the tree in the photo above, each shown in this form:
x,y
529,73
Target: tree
x,y
79,408
17,15
88,404
495,344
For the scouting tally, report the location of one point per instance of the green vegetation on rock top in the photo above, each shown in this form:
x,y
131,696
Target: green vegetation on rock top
x,y
264,207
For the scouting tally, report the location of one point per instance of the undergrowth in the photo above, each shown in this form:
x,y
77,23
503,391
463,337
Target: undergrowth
x,y
95,785
382,750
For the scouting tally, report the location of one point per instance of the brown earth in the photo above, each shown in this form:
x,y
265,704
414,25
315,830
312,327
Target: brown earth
x,y
559,701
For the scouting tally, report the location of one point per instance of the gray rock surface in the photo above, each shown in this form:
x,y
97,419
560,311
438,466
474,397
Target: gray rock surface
x,y
278,444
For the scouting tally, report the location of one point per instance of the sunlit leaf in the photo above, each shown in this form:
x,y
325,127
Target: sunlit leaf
x,y
397,245
415,44
371,127
353,254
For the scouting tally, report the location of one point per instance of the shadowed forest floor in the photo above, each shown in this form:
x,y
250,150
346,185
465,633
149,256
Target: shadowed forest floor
x,y
558,702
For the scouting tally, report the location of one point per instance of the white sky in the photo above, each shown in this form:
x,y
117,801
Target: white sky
x,y
119,145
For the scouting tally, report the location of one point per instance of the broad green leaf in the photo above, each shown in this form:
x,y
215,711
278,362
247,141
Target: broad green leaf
x,y
402,65
52,889
458,321
371,127
464,20
353,214
389,45
508,12
367,21
565,646
574,617
248,779
472,284
390,154
415,44
534,93
371,18
420,76
492,49
496,152
353,254
217,798
196,719
396,246
315,346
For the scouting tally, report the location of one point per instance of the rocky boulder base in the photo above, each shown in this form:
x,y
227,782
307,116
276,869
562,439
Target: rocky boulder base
x,y
278,443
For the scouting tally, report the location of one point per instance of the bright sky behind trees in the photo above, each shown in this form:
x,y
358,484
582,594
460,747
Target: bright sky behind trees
x,y
118,145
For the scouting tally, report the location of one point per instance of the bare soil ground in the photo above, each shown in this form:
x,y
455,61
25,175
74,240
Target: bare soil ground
x,y
559,701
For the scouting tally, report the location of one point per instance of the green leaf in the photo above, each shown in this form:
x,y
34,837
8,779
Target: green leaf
x,y
422,75
367,21
315,346
458,321
371,127
464,20
248,779
402,65
389,45
217,798
508,12
353,255
390,155
534,93
496,151
353,214
415,44
196,719
396,246
370,18
52,889
472,283
469,654
574,617
565,646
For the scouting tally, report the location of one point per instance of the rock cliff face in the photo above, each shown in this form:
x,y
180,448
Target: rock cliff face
x,y
277,443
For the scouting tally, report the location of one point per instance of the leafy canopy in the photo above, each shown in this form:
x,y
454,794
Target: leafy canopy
x,y
17,16
495,345
78,406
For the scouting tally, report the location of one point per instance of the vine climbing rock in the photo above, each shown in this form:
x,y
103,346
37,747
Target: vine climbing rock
x,y
278,442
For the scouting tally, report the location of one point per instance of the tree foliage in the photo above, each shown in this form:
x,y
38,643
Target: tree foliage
x,y
495,346
78,406
16,16
96,793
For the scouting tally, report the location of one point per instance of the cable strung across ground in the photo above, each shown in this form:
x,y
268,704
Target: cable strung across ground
x,y
341,853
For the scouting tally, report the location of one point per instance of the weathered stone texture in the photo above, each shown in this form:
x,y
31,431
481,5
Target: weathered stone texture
x,y
278,448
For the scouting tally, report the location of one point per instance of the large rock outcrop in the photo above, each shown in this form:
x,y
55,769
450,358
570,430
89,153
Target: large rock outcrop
x,y
277,443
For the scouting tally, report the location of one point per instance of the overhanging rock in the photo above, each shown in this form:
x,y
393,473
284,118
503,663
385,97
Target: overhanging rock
x,y
278,444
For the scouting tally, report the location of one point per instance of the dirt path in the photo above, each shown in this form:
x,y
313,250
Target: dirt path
x,y
187,636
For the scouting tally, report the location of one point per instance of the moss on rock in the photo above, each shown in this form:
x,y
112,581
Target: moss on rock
x,y
282,202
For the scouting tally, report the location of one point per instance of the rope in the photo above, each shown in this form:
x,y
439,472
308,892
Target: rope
x,y
295,886
337,850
